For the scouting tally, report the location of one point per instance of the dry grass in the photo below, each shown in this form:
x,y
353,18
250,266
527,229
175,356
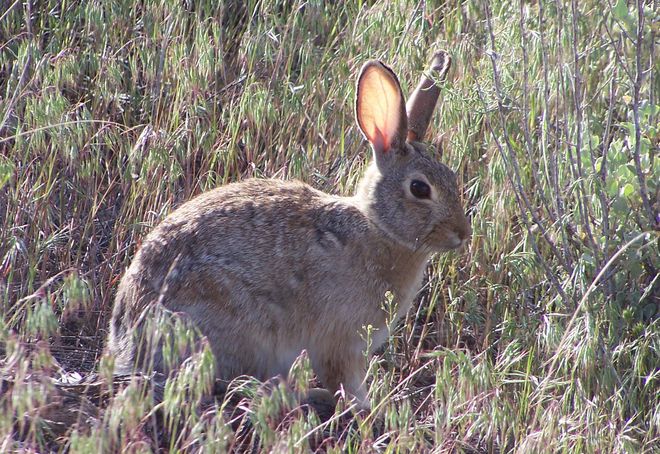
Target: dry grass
x,y
542,337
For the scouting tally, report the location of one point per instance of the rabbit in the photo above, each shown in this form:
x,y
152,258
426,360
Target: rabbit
x,y
265,269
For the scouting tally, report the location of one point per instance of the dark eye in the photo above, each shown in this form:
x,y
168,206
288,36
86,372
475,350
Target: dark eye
x,y
420,189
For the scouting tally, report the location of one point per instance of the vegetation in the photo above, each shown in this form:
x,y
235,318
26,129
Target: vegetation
x,y
543,336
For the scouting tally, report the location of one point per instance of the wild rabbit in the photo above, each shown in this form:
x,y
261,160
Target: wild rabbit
x,y
267,268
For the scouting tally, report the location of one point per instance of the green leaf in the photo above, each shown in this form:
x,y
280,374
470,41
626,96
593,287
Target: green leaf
x,y
613,187
628,190
620,11
615,154
620,205
588,258
6,171
630,127
599,163
635,267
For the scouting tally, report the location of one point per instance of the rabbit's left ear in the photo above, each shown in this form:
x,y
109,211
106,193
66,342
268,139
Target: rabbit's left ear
x,y
380,109
422,101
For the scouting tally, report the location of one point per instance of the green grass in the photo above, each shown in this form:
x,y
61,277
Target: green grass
x,y
542,337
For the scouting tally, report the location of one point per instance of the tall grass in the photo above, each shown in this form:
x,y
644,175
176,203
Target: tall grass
x,y
542,337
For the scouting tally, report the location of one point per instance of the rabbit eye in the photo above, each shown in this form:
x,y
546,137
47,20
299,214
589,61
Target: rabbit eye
x,y
420,189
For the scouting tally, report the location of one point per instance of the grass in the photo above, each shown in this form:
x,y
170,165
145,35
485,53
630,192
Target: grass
x,y
542,337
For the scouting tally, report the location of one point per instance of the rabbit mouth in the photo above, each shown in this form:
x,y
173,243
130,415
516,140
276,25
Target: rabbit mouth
x,y
442,239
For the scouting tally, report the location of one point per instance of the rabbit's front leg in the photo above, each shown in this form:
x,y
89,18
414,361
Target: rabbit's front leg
x,y
346,372
356,387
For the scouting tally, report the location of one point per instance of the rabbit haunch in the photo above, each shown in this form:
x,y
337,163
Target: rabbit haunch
x,y
266,268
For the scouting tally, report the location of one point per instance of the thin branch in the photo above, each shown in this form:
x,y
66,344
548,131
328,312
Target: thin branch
x,y
521,197
577,98
569,255
525,112
605,144
639,74
550,180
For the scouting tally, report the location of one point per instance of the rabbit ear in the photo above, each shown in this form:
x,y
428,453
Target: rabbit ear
x,y
422,101
380,109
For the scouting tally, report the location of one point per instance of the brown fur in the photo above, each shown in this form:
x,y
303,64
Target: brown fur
x,y
266,268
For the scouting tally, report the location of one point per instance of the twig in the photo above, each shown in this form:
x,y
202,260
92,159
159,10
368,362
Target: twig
x,y
643,190
605,144
564,229
525,113
577,98
65,123
521,197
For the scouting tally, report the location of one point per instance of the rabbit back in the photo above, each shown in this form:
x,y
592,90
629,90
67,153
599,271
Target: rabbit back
x,y
264,269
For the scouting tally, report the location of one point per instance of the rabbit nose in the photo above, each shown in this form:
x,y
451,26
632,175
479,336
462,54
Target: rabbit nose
x,y
463,229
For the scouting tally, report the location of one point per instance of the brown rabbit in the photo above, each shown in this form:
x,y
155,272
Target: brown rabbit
x,y
266,268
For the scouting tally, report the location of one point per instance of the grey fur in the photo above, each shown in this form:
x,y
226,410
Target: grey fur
x,y
267,268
